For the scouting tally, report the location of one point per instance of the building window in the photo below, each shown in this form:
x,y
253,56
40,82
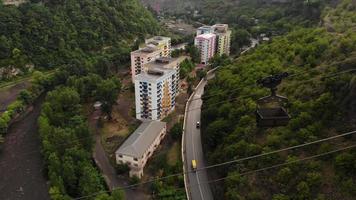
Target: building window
x,y
136,165
135,159
120,156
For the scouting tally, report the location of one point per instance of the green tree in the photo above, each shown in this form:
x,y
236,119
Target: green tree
x,y
107,93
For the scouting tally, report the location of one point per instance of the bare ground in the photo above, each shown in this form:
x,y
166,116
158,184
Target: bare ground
x,y
8,95
22,175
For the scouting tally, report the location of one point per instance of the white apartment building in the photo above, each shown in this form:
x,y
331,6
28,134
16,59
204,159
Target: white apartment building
x,y
155,93
223,39
206,43
139,147
168,63
156,88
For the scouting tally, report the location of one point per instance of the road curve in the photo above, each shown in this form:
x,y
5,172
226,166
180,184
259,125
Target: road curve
x,y
196,182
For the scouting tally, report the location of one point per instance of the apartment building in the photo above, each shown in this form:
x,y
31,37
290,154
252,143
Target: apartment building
x,y
155,47
142,56
168,63
163,43
223,39
206,43
155,93
205,30
139,147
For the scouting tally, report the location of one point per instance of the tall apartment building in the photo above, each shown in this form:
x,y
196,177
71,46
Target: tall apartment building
x,y
163,43
143,56
205,30
139,147
223,39
156,88
155,93
168,63
154,48
204,39
206,43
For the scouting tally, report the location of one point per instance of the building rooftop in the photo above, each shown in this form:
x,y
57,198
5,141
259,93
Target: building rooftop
x,y
221,28
205,27
156,40
140,140
206,36
154,74
146,50
163,61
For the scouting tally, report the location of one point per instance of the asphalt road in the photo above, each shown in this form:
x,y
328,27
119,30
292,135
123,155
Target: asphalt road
x,y
196,181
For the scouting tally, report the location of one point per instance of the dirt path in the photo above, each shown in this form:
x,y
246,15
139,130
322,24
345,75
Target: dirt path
x,y
8,95
21,164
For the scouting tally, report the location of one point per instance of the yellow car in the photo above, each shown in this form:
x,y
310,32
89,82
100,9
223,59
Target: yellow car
x,y
194,165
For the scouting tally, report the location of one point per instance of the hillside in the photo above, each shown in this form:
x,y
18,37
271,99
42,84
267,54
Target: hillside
x,y
321,105
86,42
46,35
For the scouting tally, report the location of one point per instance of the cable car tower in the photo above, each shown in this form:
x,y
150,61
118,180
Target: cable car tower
x,y
270,111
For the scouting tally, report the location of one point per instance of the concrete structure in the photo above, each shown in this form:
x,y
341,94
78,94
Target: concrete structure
x,y
157,87
139,147
223,39
205,30
142,56
167,63
206,43
155,93
155,47
163,43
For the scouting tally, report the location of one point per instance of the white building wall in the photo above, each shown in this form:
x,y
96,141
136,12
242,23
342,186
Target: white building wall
x,y
137,164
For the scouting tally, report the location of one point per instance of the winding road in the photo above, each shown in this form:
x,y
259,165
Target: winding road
x,y
196,182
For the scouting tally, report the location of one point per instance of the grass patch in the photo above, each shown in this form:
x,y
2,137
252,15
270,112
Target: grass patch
x,y
113,133
173,154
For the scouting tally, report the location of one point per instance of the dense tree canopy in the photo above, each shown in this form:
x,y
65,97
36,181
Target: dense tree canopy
x,y
50,34
320,107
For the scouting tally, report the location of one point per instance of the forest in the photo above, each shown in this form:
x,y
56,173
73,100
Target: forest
x,y
84,42
321,105
50,33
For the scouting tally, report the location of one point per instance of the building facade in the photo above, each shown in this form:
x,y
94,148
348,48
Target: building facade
x,y
139,147
155,47
162,43
206,44
221,42
223,39
155,93
143,56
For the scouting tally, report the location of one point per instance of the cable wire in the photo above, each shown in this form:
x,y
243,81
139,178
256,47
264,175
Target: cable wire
x,y
217,103
220,179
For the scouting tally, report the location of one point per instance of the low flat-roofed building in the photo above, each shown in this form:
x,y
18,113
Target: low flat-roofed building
x,y
139,147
